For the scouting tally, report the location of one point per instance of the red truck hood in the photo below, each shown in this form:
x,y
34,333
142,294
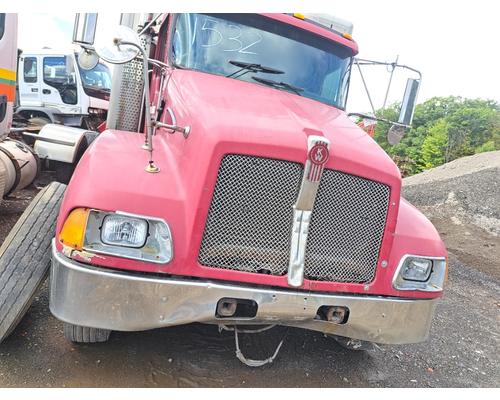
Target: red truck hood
x,y
229,116
224,111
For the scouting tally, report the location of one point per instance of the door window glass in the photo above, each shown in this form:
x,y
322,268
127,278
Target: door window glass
x,y
2,25
29,70
59,73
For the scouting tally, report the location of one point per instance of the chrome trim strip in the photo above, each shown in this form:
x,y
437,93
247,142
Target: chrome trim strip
x,y
300,229
89,296
302,209
435,282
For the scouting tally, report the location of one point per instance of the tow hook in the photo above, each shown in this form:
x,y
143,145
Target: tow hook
x,y
226,307
236,308
335,314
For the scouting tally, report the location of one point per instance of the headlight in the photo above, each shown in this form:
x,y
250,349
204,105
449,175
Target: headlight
x,y
118,230
420,273
416,269
118,234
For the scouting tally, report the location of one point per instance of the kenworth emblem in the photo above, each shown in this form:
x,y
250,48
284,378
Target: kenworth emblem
x,y
317,156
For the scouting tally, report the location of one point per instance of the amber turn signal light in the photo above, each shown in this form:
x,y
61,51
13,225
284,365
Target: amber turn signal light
x,y
73,232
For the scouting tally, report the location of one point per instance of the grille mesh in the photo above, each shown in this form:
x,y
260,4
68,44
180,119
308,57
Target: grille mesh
x,y
346,228
249,222
250,218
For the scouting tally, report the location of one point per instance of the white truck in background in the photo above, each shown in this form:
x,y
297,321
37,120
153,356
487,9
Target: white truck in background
x,y
53,88
64,101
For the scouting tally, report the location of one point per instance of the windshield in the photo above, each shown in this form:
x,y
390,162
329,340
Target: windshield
x,y
96,78
303,63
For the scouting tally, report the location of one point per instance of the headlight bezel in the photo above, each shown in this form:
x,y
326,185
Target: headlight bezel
x,y
435,280
157,248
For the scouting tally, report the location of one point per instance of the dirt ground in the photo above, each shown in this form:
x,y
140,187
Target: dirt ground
x,y
463,349
462,199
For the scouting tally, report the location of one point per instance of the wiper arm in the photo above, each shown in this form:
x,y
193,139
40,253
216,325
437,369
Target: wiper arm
x,y
245,68
279,85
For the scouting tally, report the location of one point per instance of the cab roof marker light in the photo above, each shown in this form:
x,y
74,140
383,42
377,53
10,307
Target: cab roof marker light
x,y
299,16
339,25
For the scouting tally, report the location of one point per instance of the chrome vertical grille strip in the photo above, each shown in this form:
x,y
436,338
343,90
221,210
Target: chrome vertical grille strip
x,y
317,156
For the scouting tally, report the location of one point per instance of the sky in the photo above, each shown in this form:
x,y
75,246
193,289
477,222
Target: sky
x,y
453,44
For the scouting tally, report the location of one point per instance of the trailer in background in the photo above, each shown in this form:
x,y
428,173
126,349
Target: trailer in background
x,y
18,162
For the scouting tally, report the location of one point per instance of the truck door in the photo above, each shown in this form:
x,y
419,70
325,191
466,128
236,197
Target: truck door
x,y
59,87
29,81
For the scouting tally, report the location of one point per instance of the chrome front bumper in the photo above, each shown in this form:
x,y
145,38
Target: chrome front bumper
x,y
88,296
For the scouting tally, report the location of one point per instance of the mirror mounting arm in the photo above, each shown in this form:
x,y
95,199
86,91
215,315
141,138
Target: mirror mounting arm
x,y
361,115
185,130
157,63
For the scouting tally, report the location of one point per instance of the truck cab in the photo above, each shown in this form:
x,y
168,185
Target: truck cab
x,y
246,195
53,88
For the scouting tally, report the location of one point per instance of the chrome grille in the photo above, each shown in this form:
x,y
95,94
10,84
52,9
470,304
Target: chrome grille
x,y
249,222
346,229
250,218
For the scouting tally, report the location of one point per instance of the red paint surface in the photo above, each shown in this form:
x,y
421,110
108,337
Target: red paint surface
x,y
231,116
102,127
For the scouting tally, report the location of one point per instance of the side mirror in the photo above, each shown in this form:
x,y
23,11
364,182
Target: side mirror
x,y
87,59
395,134
409,101
121,47
84,28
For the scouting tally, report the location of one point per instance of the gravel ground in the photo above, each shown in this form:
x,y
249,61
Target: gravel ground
x,y
467,188
462,199
462,350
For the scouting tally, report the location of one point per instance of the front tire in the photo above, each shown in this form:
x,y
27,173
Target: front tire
x,y
83,334
25,256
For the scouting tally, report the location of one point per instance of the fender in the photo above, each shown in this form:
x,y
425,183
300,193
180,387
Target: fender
x,y
416,235
67,153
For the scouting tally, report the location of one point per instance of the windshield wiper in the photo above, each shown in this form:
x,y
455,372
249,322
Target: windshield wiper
x,y
279,85
245,68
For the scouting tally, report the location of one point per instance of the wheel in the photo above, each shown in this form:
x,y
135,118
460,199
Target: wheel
x,y
25,256
39,121
83,334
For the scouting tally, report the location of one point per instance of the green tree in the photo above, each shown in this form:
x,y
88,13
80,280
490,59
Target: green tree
x,y
468,125
435,144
